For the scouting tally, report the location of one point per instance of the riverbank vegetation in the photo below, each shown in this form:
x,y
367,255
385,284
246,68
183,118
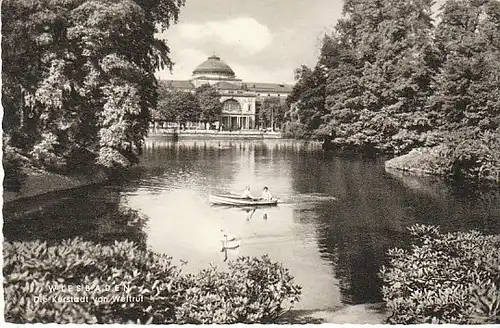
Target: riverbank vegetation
x,y
78,80
79,281
183,106
391,78
444,278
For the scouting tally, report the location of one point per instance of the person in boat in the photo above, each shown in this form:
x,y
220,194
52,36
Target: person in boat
x,y
246,193
266,194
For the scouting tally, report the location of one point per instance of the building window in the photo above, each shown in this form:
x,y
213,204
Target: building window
x,y
231,105
249,107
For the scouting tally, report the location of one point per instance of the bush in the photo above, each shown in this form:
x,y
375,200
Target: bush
x,y
294,130
32,269
471,157
14,175
254,290
444,278
83,282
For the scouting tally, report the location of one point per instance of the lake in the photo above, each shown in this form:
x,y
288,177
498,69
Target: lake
x,y
335,221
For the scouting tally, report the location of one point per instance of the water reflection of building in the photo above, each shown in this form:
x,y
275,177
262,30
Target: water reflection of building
x,y
241,100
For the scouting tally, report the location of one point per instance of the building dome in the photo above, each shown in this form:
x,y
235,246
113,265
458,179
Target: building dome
x,y
214,67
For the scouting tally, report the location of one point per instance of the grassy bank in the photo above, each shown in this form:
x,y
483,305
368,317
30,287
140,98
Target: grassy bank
x,y
421,161
465,157
37,182
371,314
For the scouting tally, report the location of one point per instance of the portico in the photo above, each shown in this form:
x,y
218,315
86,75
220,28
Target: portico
x,y
236,122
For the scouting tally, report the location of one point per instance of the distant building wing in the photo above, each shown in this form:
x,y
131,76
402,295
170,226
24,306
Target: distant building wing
x,y
260,87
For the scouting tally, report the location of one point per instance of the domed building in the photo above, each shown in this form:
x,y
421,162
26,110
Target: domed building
x,y
213,68
241,100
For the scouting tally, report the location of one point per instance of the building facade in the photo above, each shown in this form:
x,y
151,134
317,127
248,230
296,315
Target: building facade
x,y
240,100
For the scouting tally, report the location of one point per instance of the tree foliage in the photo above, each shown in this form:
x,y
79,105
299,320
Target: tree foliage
x,y
177,106
390,79
78,75
307,99
272,112
467,86
209,102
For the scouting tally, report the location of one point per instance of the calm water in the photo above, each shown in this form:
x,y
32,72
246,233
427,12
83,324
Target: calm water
x,y
335,222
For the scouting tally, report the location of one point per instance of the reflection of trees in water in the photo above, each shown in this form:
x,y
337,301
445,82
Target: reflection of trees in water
x,y
356,250
371,215
92,214
356,232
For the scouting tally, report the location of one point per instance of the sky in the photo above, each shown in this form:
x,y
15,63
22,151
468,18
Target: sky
x,y
261,40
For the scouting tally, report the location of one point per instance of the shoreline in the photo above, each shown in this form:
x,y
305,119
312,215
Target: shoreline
x,y
214,134
418,162
41,182
360,314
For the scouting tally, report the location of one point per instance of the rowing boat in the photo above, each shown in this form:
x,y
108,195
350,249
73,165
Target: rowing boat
x,y
239,201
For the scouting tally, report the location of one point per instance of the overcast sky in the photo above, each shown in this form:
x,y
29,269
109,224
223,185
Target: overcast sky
x,y
262,40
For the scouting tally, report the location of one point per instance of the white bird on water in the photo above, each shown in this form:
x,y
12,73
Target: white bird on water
x,y
229,242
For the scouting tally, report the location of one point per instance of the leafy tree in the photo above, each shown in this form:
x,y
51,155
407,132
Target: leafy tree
x,y
307,100
209,103
344,93
79,76
177,106
309,91
381,80
467,86
272,112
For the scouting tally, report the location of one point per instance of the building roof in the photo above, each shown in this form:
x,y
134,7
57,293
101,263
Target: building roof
x,y
214,69
227,86
214,66
178,84
268,87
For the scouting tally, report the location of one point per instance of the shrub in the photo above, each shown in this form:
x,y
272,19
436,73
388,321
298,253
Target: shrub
x,y
13,166
294,130
254,290
83,282
444,278
468,156
31,269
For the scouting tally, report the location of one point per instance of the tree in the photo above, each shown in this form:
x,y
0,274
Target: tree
x,y
307,100
209,103
177,106
309,91
380,83
344,96
79,76
272,112
467,86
